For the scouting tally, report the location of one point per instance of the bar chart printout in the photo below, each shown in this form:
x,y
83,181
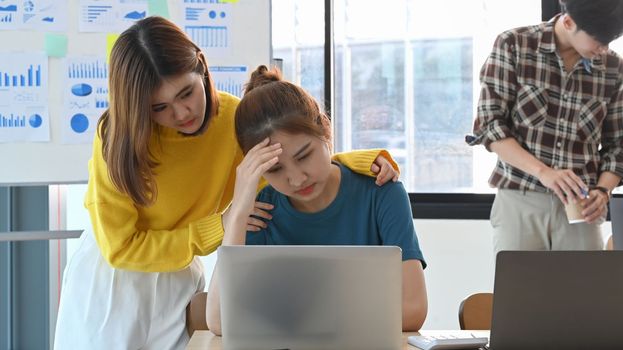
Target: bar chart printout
x,y
209,23
23,97
230,79
85,93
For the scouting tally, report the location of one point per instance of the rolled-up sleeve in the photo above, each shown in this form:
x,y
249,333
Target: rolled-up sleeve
x,y
612,134
498,85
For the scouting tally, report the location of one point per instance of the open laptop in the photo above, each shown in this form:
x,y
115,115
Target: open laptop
x,y
616,217
558,300
310,297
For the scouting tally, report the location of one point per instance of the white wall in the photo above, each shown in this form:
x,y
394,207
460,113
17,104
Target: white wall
x,y
460,262
458,252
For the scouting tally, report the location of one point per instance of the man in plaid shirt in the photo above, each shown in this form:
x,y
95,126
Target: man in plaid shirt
x,y
551,108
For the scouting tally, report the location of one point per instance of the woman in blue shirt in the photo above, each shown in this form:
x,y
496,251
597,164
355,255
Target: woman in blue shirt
x,y
286,139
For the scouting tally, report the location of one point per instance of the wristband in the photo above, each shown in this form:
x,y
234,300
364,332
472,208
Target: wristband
x,y
602,189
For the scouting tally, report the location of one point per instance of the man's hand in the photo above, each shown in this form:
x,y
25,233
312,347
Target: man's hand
x,y
595,206
565,184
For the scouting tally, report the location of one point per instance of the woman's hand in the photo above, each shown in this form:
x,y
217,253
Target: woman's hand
x,y
249,172
260,210
237,220
384,170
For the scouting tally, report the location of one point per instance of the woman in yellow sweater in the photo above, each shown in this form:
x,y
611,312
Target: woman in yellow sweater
x,y
161,179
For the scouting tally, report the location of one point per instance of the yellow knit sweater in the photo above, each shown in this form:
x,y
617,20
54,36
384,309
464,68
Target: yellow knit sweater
x,y
195,182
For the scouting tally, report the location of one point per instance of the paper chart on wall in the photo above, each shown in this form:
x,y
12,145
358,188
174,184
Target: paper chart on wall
x,y
106,16
23,97
209,23
230,79
44,15
85,97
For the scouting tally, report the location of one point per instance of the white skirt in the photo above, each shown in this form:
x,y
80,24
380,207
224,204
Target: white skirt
x,y
106,308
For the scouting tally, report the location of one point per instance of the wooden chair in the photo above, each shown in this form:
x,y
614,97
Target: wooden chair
x,y
475,312
196,313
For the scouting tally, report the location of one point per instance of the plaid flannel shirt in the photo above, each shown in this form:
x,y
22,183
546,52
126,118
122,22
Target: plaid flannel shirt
x,y
568,120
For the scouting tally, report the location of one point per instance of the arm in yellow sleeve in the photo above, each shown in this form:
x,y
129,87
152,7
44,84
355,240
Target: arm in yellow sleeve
x,y
126,247
360,161
129,241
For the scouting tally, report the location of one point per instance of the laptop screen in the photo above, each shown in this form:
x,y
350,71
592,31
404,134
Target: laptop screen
x,y
616,217
310,297
558,300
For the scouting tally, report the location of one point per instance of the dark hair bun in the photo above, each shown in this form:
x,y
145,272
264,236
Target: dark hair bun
x,y
262,76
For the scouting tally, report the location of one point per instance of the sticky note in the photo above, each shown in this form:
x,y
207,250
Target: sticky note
x,y
110,41
56,45
158,8
230,1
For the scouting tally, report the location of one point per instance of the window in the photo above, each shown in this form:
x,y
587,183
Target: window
x,y
298,39
405,78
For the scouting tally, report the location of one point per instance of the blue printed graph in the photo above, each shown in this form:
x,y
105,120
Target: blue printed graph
x,y
209,36
201,1
135,15
79,123
95,70
30,78
12,121
231,86
6,18
94,13
35,120
101,103
81,89
193,13
10,8
230,79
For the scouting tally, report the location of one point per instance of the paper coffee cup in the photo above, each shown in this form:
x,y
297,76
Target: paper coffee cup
x,y
574,213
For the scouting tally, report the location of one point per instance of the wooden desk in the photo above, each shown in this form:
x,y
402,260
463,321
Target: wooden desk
x,y
205,340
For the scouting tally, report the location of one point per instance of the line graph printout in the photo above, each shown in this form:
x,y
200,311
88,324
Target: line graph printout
x,y
45,15
209,23
42,15
85,93
106,16
23,97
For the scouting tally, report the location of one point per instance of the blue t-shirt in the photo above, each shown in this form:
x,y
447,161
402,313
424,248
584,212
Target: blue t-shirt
x,y
362,213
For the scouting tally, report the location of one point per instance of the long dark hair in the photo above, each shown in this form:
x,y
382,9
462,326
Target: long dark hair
x,y
143,56
271,104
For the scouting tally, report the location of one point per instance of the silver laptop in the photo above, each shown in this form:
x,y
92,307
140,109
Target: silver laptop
x,y
616,217
310,297
558,300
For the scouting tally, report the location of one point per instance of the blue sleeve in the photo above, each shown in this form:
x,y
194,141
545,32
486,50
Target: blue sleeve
x,y
395,221
256,237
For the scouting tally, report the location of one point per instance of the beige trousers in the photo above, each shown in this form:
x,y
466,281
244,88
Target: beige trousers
x,y
529,220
